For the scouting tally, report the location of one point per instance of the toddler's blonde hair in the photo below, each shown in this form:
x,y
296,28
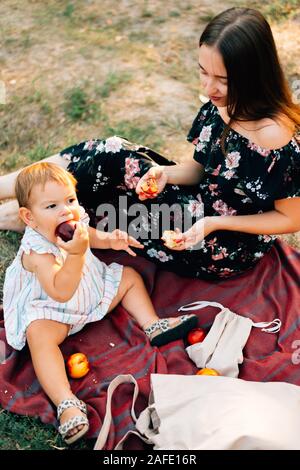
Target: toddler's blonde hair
x,y
40,173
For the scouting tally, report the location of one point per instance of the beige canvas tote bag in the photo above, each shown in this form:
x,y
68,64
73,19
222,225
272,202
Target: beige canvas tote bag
x,y
212,413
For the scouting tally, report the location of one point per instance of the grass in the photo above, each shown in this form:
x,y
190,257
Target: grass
x,y
75,71
281,10
78,106
9,242
39,152
24,433
69,10
134,132
112,83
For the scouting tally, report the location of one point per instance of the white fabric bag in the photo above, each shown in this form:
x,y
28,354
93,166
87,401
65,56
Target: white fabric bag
x,y
213,413
222,347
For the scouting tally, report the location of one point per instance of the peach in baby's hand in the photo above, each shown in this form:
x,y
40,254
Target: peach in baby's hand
x,y
66,230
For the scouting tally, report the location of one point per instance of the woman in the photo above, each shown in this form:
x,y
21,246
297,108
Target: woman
x,y
246,166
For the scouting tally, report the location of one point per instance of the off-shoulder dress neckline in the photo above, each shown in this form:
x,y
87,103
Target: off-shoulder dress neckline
x,y
252,144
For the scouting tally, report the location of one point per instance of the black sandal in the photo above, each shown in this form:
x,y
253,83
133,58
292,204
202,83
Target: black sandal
x,y
168,332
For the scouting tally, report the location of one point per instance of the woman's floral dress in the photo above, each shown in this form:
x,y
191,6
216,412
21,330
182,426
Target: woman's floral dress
x,y
247,181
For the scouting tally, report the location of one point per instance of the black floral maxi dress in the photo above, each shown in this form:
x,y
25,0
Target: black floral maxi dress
x,y
247,181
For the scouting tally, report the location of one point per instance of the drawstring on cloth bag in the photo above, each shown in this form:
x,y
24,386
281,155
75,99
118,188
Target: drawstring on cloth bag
x,y
222,348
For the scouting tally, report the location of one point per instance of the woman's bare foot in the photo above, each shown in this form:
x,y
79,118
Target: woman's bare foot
x,y
8,181
9,217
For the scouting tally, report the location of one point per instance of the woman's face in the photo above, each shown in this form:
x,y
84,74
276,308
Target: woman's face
x,y
213,75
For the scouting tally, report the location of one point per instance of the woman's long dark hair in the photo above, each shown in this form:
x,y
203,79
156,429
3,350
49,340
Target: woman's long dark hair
x,y
257,87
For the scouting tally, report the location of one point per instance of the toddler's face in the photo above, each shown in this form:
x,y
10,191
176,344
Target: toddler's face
x,y
51,205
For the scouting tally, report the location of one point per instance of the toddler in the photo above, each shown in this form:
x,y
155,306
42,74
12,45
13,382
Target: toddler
x,y
53,288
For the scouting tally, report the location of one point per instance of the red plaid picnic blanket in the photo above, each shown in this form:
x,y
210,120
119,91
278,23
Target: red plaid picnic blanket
x,y
116,345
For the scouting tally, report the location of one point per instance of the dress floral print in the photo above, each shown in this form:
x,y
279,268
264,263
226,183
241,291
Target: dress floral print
x,y
247,181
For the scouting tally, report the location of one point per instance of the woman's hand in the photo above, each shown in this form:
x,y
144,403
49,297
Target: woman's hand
x,y
120,240
195,235
159,174
79,243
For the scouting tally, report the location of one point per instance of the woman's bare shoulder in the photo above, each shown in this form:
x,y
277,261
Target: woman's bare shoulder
x,y
274,134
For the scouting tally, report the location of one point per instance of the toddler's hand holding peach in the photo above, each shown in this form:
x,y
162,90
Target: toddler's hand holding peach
x,y
79,243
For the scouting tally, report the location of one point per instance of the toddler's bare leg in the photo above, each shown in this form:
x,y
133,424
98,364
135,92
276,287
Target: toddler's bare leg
x,y
7,182
132,294
134,297
44,338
